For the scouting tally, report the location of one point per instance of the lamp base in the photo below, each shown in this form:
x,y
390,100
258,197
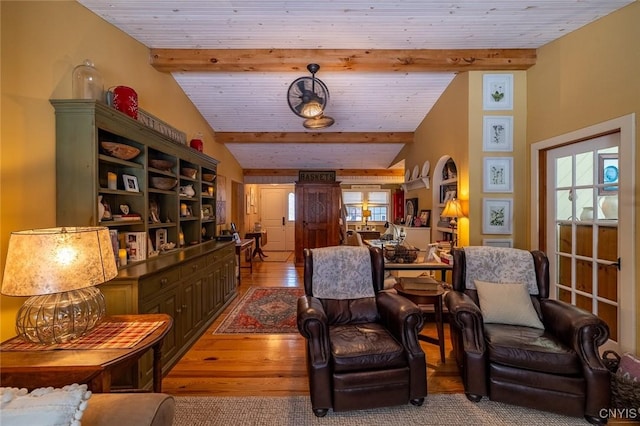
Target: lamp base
x,y
60,317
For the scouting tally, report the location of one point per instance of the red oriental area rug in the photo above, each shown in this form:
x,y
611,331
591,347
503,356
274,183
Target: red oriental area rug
x,y
268,310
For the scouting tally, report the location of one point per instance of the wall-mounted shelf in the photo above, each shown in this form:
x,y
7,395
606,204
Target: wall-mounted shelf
x,y
416,184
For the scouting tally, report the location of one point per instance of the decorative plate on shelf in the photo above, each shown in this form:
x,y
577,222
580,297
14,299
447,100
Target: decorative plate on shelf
x,y
407,175
425,169
416,172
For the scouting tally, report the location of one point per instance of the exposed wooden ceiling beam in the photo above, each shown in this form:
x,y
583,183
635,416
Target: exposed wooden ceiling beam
x,y
315,137
339,172
387,60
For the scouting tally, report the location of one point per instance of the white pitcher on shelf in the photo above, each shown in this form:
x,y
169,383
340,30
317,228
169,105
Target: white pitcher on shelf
x,y
187,190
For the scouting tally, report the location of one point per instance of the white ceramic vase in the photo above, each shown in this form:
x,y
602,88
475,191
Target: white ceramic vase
x,y
587,213
609,206
100,208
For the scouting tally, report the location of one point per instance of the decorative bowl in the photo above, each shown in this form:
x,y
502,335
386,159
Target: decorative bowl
x,y
189,172
208,177
161,164
165,183
120,150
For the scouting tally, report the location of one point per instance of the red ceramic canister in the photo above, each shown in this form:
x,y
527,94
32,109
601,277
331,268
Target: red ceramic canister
x,y
125,99
197,144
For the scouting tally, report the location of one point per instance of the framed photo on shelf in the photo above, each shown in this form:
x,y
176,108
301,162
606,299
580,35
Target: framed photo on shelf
x,y
498,174
497,134
608,174
497,242
497,91
425,217
130,183
497,215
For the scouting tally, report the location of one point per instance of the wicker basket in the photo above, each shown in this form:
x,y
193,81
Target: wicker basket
x,y
400,254
625,393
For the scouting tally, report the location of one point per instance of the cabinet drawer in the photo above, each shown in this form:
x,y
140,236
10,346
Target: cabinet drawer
x,y
221,254
152,285
193,266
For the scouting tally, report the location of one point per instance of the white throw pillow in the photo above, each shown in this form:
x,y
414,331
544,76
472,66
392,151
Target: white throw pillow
x,y
504,303
43,406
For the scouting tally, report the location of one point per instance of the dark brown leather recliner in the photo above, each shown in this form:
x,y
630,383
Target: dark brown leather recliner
x,y
556,369
361,353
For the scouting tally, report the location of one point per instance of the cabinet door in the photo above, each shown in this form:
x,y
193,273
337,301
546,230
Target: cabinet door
x,y
168,303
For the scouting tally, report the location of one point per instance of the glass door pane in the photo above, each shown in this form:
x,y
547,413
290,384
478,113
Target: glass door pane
x,y
585,232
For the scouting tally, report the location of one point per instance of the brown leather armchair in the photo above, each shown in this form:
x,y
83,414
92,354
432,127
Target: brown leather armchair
x,y
361,353
556,369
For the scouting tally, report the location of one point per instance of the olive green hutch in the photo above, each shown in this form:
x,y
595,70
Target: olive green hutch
x,y
193,281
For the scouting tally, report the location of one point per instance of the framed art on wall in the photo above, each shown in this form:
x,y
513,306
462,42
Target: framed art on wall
x,y
498,174
496,215
497,91
497,242
608,174
497,133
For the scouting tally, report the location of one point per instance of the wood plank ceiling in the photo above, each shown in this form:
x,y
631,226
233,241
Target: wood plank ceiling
x,y
385,63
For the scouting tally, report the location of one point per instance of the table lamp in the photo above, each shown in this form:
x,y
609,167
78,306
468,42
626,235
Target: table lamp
x,y
366,214
59,268
452,209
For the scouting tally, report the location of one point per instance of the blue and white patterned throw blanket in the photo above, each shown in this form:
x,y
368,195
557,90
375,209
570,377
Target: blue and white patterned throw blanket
x,y
500,265
342,272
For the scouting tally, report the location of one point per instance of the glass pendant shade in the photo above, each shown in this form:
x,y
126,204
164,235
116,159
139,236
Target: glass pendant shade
x,y
87,82
59,268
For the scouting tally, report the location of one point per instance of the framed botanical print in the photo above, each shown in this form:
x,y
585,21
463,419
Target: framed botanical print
x,y
497,133
497,215
497,91
498,174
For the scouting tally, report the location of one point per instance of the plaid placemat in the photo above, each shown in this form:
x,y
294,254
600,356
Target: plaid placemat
x,y
107,335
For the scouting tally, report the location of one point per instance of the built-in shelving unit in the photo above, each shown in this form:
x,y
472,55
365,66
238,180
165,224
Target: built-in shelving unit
x,y
445,186
192,282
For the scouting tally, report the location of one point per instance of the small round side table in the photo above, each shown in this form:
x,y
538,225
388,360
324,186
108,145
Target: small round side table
x,y
428,297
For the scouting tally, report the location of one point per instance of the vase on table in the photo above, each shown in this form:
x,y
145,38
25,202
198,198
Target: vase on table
x,y
609,206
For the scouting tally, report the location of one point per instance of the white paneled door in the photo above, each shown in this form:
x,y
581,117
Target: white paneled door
x,y
274,203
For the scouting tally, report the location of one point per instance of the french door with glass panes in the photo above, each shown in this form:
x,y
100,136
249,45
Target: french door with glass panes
x,y
583,240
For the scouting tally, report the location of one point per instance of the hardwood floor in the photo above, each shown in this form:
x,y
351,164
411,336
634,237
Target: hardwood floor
x,y
272,365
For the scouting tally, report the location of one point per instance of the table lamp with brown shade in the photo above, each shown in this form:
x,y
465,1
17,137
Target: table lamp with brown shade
x,y
59,269
453,210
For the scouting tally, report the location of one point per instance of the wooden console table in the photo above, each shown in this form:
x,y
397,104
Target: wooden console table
x,y
420,266
60,365
242,247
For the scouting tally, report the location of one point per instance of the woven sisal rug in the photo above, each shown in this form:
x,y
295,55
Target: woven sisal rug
x,y
268,310
439,409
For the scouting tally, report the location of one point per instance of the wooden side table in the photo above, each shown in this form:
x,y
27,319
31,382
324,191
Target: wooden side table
x,y
58,367
261,238
428,297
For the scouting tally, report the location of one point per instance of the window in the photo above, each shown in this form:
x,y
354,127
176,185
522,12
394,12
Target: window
x,y
291,207
376,201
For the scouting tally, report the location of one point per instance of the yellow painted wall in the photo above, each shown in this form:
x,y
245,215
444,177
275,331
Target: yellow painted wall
x,y
41,43
443,132
587,77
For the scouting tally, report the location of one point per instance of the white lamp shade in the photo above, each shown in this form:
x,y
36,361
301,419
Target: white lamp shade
x,y
54,260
